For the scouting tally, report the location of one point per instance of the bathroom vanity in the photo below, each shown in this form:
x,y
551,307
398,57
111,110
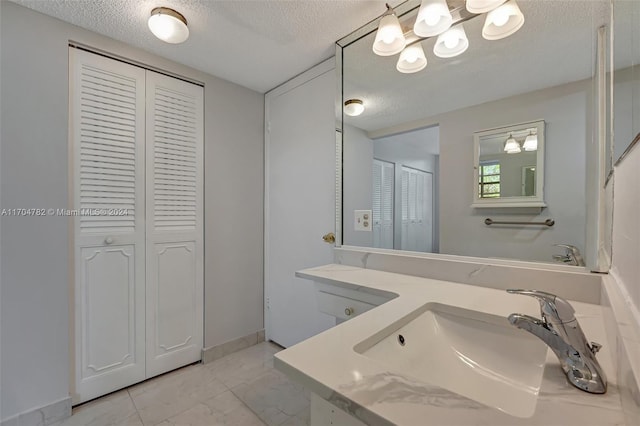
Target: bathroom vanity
x,y
443,353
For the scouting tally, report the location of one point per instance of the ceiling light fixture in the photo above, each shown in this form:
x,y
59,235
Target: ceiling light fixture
x,y
531,142
503,21
353,107
433,18
389,38
451,43
168,25
483,6
412,59
511,146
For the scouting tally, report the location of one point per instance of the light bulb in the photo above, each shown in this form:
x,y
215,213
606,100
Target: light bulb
x,y
411,56
412,59
451,40
431,18
503,21
451,43
500,17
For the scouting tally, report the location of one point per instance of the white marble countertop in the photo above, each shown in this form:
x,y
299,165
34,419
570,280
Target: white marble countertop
x,y
328,365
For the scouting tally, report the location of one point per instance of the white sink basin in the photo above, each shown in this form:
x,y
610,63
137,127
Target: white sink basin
x,y
474,354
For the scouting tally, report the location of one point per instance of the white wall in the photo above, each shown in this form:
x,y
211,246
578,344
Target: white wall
x,y
34,252
566,112
626,227
357,157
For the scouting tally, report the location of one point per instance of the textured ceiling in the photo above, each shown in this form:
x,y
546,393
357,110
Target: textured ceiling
x,y
556,45
257,44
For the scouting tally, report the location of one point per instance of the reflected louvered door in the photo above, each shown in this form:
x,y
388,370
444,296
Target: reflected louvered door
x,y
107,145
174,223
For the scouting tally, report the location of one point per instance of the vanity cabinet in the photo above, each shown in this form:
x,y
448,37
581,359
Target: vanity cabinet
x,y
344,303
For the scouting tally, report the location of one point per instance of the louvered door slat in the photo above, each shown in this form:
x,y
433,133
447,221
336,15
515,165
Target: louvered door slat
x,y
108,129
174,158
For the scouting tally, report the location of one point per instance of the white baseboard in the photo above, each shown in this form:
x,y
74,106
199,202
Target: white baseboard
x,y
42,416
216,352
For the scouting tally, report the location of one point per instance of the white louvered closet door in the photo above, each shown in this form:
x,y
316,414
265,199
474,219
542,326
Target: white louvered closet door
x,y
107,144
383,193
174,178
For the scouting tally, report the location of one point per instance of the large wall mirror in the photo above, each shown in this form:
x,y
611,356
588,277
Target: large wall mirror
x,y
408,158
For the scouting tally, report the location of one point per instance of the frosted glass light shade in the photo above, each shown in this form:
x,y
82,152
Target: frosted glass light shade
x,y
353,107
531,143
452,42
511,146
433,18
389,38
412,59
503,21
168,25
483,6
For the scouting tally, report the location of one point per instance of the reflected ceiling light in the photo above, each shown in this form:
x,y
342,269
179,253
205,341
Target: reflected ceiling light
x,y
483,6
433,18
531,142
452,42
168,25
389,38
353,107
511,146
503,21
412,59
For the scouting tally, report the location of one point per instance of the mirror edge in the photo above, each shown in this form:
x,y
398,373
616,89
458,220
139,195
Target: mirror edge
x,y
339,145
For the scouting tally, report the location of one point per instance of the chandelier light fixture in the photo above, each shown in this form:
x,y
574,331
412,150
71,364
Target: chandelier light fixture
x,y
168,25
434,18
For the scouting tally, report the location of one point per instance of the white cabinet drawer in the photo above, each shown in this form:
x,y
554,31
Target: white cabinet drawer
x,y
340,306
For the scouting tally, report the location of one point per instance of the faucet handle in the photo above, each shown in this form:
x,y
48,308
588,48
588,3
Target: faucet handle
x,y
551,306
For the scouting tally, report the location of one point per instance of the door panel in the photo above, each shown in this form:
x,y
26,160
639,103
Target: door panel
x,y
108,319
299,202
107,144
175,277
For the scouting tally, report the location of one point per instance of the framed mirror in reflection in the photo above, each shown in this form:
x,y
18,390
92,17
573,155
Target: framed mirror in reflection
x,y
509,166
408,157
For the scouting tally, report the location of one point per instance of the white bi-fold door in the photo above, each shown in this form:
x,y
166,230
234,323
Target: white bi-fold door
x,y
136,144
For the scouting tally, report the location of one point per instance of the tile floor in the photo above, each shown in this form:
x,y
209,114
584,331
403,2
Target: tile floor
x,y
241,389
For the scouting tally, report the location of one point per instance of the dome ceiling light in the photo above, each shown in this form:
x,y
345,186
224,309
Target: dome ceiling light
x,y
168,25
353,107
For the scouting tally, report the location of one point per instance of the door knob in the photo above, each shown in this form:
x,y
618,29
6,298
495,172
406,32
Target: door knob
x,y
329,238
108,240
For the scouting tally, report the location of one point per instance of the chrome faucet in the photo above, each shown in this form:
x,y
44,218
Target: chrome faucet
x,y
571,256
560,330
